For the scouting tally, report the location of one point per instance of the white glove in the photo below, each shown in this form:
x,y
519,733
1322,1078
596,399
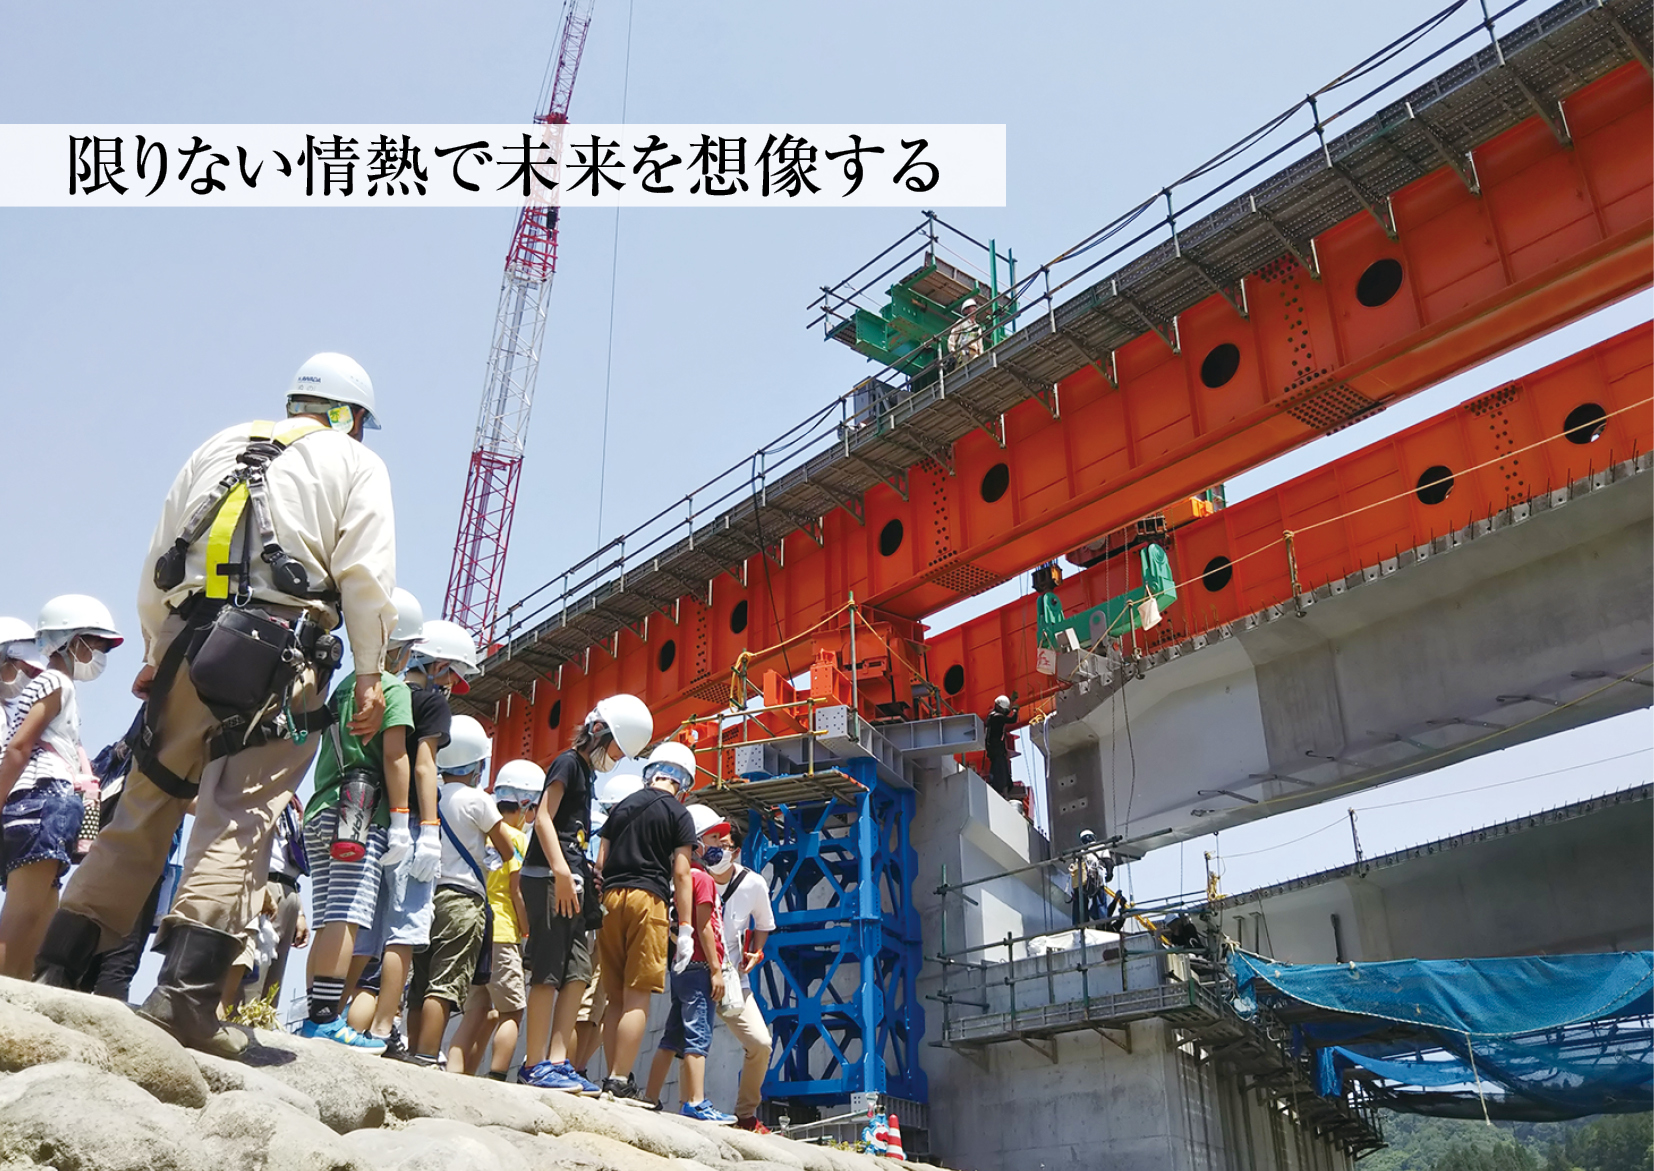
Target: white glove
x,y
427,855
399,843
686,949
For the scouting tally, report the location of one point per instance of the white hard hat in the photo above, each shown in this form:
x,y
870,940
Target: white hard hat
x,y
617,789
449,642
410,616
70,614
521,774
467,745
629,720
707,819
1002,702
676,760
17,642
336,378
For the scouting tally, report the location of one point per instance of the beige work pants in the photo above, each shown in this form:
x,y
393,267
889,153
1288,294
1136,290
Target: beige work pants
x,y
749,1029
226,863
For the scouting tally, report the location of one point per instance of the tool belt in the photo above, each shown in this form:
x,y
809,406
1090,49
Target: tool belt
x,y
242,662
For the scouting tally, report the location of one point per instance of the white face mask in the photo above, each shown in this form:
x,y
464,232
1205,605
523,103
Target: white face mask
x,y
88,670
725,864
13,687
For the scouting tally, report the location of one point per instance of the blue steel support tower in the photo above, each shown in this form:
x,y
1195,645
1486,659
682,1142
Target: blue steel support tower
x,y
840,988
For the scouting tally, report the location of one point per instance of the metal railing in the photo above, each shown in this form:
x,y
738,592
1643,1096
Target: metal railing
x,y
1152,223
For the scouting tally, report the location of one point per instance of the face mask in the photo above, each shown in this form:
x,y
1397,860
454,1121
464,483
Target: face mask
x,y
719,860
85,672
13,687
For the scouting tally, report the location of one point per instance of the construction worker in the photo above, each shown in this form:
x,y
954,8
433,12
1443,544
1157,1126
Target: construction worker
x,y
965,338
497,1010
42,765
561,893
644,861
272,534
999,723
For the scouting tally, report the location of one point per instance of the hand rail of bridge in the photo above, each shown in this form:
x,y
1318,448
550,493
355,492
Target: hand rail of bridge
x,y
1381,107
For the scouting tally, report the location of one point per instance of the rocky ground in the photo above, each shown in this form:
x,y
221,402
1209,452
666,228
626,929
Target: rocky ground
x,y
90,1086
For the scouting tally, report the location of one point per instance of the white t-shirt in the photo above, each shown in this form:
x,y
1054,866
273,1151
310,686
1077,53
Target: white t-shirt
x,y
749,904
57,752
471,814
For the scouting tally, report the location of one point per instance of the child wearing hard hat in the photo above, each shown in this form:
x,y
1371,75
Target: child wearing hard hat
x,y
42,813
441,660
461,920
496,1011
697,983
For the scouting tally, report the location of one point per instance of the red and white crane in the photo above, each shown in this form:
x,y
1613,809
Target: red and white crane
x,y
475,577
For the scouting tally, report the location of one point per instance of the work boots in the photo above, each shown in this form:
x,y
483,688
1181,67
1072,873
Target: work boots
x,y
185,1000
66,954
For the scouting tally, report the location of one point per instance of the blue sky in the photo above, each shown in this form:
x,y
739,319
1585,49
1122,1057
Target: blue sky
x,y
130,335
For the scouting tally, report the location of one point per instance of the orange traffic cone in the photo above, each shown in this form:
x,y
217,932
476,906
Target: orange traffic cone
x,y
893,1147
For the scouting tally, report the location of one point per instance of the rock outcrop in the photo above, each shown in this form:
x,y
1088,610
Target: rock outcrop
x,y
87,1085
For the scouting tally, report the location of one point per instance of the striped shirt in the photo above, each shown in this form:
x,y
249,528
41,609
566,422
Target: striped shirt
x,y
56,752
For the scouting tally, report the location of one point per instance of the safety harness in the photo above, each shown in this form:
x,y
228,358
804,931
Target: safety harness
x,y
243,660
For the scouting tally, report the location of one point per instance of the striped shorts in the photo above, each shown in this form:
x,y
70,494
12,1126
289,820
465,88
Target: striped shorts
x,y
341,892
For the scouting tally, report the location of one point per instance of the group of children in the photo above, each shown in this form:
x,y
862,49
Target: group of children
x,y
430,896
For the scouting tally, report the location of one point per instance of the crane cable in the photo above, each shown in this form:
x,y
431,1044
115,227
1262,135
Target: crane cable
x,y
614,273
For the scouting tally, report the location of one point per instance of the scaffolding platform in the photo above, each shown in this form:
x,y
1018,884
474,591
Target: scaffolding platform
x,y
736,797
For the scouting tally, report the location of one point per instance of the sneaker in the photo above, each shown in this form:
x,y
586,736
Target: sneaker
x,y
588,1088
752,1124
547,1075
624,1090
395,1047
703,1111
339,1030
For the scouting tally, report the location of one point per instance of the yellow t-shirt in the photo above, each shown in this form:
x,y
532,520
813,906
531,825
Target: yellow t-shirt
x,y
506,927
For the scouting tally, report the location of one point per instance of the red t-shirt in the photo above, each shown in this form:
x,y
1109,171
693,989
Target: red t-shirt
x,y
705,893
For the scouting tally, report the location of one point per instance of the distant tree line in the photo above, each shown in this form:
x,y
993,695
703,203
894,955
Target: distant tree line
x,y
1615,1142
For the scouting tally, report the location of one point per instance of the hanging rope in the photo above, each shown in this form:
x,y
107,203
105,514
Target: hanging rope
x,y
614,280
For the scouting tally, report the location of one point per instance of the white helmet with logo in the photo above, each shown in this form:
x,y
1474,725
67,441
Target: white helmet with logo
x,y
67,615
628,719
468,746
410,616
674,760
335,378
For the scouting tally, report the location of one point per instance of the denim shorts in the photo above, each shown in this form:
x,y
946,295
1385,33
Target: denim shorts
x,y
689,1024
40,824
341,892
403,916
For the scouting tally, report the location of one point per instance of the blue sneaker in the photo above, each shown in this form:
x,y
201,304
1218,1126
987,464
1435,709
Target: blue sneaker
x,y
546,1075
588,1088
339,1030
703,1111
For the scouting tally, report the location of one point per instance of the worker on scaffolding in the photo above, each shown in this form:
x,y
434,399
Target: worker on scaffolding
x,y
999,723
1089,895
271,535
965,338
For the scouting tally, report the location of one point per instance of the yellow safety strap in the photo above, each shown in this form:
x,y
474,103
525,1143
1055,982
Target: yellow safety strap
x,y
222,533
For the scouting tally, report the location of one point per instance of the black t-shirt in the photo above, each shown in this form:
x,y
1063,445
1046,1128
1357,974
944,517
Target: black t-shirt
x,y
573,811
432,718
998,723
643,832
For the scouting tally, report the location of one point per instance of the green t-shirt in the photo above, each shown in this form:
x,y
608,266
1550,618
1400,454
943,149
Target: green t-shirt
x,y
398,714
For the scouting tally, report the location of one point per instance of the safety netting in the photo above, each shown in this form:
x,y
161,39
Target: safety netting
x,y
1534,1038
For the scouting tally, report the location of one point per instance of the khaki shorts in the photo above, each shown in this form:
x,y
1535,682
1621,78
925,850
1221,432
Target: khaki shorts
x,y
505,988
595,1003
444,969
631,944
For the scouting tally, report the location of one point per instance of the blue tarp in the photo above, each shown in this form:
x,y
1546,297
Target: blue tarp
x,y
1532,1037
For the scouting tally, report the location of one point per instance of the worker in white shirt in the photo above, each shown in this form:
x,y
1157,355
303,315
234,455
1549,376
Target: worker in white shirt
x,y
272,534
748,921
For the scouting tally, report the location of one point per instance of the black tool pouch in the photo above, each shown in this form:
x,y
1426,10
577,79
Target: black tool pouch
x,y
241,660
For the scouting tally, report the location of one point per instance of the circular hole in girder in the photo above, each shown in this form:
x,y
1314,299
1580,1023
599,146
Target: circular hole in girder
x,y
995,481
1220,365
555,715
1585,423
890,538
738,617
1379,283
1435,484
953,679
667,654
1218,573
